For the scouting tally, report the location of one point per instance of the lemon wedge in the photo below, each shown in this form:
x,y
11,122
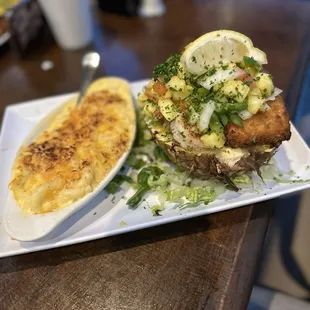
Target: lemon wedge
x,y
219,47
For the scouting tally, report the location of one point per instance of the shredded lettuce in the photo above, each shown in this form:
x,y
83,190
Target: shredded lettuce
x,y
242,179
156,209
154,181
282,180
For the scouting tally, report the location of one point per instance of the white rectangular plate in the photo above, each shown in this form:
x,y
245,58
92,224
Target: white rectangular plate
x,y
108,215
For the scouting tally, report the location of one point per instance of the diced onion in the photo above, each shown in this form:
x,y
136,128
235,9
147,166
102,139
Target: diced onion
x,y
276,92
245,114
206,115
264,107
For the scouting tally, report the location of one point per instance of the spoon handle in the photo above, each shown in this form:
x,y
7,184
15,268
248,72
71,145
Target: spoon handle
x,y
90,64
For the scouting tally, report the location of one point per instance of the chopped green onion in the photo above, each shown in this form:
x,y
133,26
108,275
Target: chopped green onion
x,y
236,119
215,124
160,154
224,119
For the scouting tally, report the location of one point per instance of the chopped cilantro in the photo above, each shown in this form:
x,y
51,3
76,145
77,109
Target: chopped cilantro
x,y
251,62
254,139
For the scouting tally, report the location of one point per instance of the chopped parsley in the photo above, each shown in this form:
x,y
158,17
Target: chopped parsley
x,y
199,97
167,69
210,71
254,140
151,101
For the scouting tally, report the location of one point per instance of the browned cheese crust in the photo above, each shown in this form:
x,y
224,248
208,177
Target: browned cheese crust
x,y
265,128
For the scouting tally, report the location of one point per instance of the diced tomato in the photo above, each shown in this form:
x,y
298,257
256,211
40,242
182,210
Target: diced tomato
x,y
159,88
149,96
182,106
245,77
252,85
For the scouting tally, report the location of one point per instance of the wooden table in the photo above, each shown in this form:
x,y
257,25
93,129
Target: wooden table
x,y
203,263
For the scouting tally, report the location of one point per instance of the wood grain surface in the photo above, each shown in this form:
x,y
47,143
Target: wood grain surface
x,y
203,263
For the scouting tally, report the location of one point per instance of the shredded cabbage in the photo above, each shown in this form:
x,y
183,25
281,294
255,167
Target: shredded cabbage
x,y
242,179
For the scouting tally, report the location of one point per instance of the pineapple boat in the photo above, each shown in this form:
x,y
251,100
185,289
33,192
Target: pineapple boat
x,y
213,109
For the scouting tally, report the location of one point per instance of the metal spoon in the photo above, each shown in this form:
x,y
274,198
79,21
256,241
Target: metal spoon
x,y
90,63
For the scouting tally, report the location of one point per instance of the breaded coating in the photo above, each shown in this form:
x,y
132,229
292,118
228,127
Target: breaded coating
x,y
270,127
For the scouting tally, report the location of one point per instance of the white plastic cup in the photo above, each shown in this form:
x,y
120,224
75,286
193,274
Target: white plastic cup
x,y
151,8
70,22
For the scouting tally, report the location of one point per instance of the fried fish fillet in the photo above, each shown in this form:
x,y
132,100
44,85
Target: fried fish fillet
x,y
77,150
265,128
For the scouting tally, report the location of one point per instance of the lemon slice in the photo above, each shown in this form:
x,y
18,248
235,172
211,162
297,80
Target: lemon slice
x,y
219,47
